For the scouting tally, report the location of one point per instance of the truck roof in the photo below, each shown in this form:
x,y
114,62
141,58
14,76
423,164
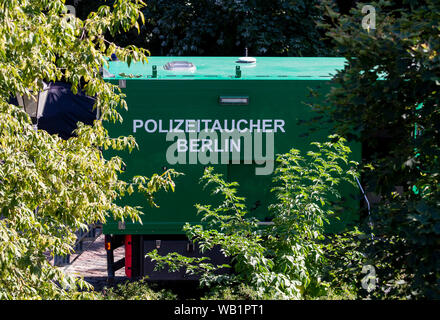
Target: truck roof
x,y
224,68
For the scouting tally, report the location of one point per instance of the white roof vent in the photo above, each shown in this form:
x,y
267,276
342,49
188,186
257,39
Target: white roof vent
x,y
180,66
246,60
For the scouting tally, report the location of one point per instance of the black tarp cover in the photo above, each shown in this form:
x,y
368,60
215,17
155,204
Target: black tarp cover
x,y
63,109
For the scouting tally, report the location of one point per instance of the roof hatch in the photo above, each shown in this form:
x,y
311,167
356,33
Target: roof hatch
x,y
180,66
246,60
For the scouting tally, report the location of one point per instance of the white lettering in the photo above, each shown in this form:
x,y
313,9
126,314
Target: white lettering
x,y
279,124
154,126
179,124
160,127
137,124
182,145
194,145
190,125
238,125
256,126
199,125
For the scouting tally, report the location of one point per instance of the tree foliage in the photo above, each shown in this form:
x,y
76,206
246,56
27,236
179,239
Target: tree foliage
x,y
387,96
284,260
50,187
226,28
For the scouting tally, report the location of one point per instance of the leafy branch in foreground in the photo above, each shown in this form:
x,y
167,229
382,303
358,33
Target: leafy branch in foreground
x,y
304,189
284,260
50,187
387,97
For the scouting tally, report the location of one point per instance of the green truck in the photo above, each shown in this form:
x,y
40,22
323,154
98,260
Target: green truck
x,y
234,114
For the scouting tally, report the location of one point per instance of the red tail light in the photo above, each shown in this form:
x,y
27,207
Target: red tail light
x,y
128,255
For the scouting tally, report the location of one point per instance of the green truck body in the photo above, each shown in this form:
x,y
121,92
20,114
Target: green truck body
x,y
179,110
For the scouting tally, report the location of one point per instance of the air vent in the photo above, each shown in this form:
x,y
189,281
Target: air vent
x,y
237,100
185,66
246,60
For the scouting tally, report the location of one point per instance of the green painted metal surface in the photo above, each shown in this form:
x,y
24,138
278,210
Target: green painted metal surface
x,y
152,104
222,68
